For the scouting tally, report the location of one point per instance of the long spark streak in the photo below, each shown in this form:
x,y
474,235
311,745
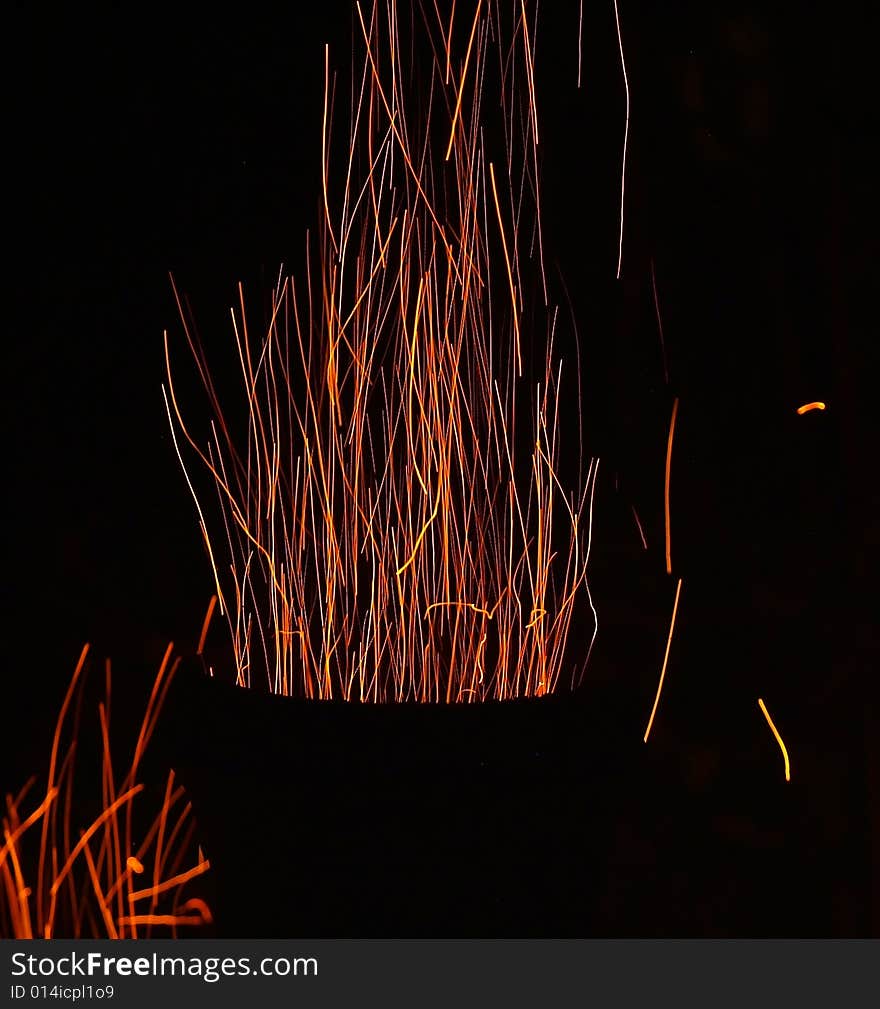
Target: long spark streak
x,y
580,38
665,660
625,140
509,271
666,487
170,884
464,71
205,625
324,158
775,732
809,407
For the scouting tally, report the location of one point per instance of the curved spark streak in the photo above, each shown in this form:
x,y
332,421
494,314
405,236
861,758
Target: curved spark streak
x,y
665,660
625,140
666,487
775,732
808,407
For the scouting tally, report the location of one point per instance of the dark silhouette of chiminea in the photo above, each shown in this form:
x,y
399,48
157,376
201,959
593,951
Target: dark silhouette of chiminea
x,y
543,817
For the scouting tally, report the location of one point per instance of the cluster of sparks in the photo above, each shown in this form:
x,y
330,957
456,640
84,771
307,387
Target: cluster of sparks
x,y
387,541
119,877
387,536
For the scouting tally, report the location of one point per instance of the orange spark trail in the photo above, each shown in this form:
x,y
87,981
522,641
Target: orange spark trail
x,y
775,732
162,919
467,60
169,884
56,740
40,811
665,660
509,271
107,814
666,487
206,625
808,407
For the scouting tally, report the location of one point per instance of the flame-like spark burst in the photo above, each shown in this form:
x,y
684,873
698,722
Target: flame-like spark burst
x,y
388,537
83,884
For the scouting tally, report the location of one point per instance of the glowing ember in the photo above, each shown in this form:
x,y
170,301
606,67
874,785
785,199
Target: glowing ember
x,y
396,528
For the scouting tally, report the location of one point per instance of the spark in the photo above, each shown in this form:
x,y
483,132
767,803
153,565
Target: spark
x,y
173,920
665,660
580,38
659,323
775,732
197,904
53,763
625,140
105,815
11,838
639,524
206,624
195,496
170,884
509,271
809,407
666,487
324,156
464,71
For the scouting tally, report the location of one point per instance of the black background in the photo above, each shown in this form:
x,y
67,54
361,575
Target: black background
x,y
147,141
